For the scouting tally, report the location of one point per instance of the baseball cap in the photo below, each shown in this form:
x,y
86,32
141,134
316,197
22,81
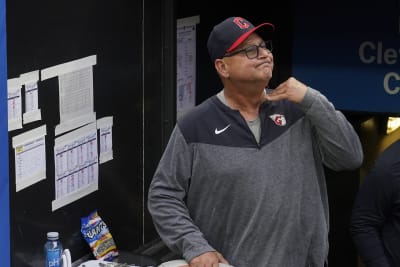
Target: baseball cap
x,y
230,33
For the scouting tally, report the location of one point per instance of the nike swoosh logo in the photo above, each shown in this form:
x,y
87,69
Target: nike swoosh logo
x,y
222,130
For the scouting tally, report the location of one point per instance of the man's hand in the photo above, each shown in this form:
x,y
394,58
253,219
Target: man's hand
x,y
291,89
208,259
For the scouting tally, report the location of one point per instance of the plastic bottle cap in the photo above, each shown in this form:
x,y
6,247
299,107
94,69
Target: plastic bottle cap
x,y
52,235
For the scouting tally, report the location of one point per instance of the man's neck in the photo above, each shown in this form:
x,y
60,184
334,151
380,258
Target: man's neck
x,y
248,103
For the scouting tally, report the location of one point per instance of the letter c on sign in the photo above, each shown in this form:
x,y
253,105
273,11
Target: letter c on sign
x,y
386,79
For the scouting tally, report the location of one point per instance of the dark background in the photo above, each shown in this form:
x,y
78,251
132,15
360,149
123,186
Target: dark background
x,y
42,34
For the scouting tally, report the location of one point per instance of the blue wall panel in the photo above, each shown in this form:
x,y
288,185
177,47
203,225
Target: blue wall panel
x,y
4,181
350,51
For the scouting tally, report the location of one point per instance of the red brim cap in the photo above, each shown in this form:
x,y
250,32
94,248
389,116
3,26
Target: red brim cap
x,y
247,34
229,34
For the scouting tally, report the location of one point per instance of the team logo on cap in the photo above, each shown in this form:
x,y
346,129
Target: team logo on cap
x,y
241,22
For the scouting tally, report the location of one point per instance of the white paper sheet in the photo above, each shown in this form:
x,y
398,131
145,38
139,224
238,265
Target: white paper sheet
x,y
14,103
186,64
75,80
76,165
32,111
30,157
106,150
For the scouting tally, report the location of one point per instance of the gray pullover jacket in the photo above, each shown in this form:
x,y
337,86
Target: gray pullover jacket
x,y
259,204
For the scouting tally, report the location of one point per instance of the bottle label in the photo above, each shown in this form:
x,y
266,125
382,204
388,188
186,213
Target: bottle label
x,y
53,258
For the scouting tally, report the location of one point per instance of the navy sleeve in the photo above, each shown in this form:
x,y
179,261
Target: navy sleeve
x,y
371,210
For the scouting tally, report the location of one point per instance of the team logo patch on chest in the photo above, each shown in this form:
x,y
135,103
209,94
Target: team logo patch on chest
x,y
278,119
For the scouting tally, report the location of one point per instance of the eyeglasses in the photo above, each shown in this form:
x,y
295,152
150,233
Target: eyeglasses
x,y
252,50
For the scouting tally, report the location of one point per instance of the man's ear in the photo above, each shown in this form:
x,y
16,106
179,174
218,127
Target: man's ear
x,y
222,68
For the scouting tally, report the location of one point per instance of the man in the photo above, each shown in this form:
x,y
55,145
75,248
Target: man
x,y
241,180
375,222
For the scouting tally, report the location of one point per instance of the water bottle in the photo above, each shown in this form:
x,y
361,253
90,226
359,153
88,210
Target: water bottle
x,y
53,250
